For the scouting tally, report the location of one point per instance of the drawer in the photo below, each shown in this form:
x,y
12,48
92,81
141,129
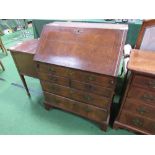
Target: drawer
x,y
102,91
54,79
138,122
25,64
77,95
145,82
142,95
52,69
137,107
105,81
88,111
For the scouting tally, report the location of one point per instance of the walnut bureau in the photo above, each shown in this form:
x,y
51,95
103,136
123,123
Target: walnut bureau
x,y
23,54
77,64
137,112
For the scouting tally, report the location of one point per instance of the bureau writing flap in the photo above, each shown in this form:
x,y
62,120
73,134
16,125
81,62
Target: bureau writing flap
x,y
92,47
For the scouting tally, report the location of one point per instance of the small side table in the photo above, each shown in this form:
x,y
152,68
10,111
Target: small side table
x,y
23,54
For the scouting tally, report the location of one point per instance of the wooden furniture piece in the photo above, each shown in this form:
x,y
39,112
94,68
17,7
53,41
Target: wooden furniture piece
x,y
23,54
137,112
77,64
146,37
4,50
145,40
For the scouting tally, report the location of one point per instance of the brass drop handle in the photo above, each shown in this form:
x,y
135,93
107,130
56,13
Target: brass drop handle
x,y
54,88
88,87
91,78
52,78
51,69
147,97
55,101
71,73
87,109
151,84
71,93
87,97
137,122
142,110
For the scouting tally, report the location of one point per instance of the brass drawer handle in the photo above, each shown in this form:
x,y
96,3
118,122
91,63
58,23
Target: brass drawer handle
x,y
71,93
88,87
71,73
54,88
147,97
87,98
52,70
55,101
91,78
137,122
142,110
54,79
151,84
87,109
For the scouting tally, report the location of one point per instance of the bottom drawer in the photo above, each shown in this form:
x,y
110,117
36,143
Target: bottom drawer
x,y
82,109
137,107
138,122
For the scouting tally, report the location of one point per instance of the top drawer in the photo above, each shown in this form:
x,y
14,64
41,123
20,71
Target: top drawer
x,y
145,82
142,95
78,75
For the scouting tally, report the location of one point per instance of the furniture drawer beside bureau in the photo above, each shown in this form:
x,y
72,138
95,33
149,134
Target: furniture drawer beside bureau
x,y
137,112
141,124
139,108
142,95
144,82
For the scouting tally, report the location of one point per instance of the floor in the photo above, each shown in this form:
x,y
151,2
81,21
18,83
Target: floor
x,y
20,115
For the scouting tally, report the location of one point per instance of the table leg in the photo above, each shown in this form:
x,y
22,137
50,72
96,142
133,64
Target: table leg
x,y
5,50
2,66
25,85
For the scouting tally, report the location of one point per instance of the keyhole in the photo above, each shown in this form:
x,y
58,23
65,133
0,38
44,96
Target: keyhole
x,y
77,31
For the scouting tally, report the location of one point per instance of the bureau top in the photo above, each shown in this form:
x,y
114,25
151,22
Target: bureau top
x,y
142,61
89,25
89,47
28,46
